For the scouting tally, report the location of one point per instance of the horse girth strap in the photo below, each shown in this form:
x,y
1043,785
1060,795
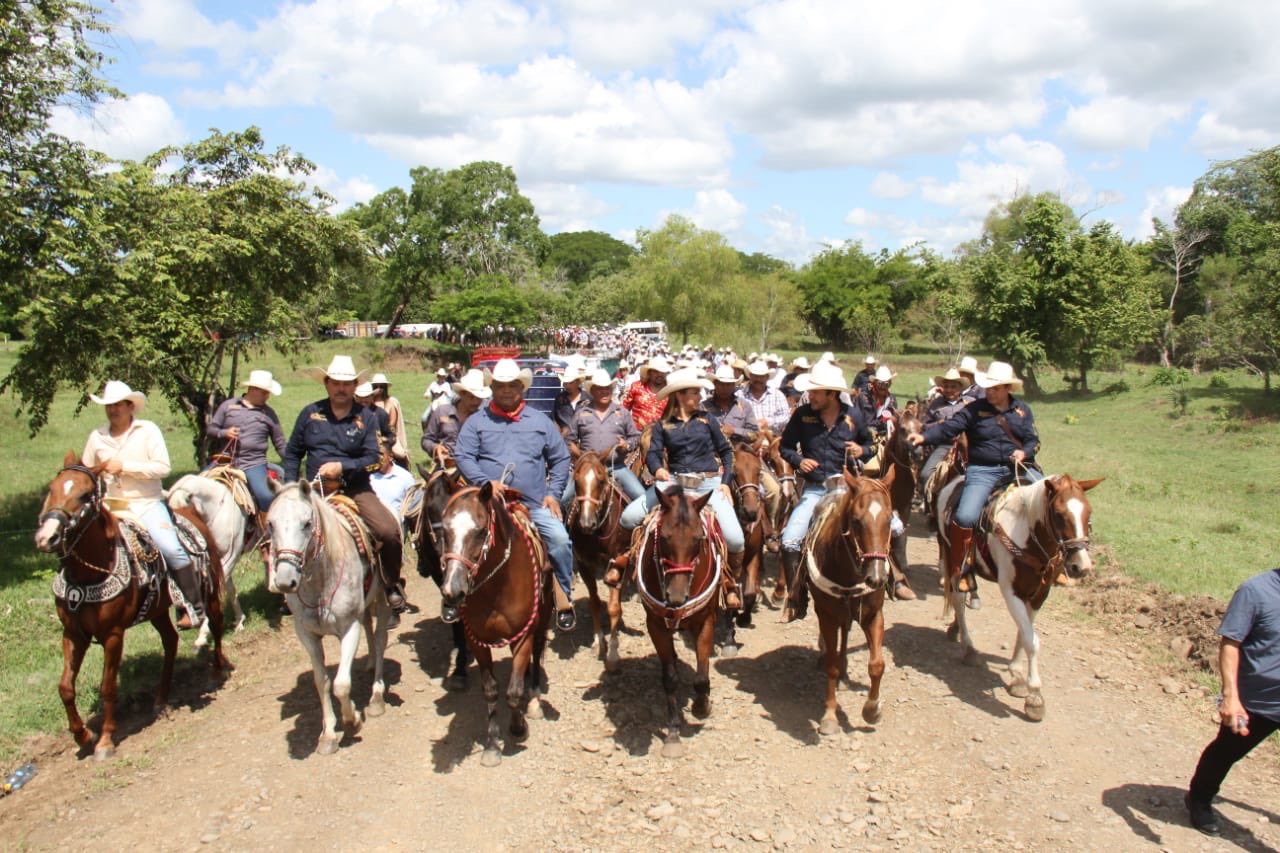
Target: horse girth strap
x,y
350,513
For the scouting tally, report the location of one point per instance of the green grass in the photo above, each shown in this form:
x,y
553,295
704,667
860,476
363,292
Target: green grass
x,y
1187,503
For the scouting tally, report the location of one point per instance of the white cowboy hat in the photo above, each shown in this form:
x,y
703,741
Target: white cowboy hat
x,y
724,373
753,356
573,373
969,365
999,373
758,368
623,364
441,372
364,389
340,369
379,379
871,359
657,363
825,376
473,383
263,379
951,375
829,357
801,362
884,374
506,370
773,357
115,391
599,377
680,380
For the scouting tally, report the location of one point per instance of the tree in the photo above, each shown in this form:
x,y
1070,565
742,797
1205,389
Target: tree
x,y
175,270
584,255
844,298
46,60
485,303
1179,249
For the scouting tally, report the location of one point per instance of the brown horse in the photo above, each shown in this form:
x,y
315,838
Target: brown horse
x,y
110,579
1036,531
678,565
749,504
440,485
790,488
846,559
903,462
496,574
597,537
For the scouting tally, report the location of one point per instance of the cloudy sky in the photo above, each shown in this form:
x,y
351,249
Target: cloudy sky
x,y
785,126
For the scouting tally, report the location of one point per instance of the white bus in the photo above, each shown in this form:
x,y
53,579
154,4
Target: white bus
x,y
649,330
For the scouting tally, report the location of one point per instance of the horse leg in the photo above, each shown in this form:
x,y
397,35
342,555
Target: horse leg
x,y
234,597
1027,642
72,657
377,655
112,651
328,741
612,659
729,644
827,628
457,681
664,645
702,680
587,571
215,619
751,587
873,627
169,641
492,755
537,675
348,645
517,687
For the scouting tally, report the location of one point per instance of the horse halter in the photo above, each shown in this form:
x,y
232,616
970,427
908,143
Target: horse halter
x,y
299,558
74,524
473,566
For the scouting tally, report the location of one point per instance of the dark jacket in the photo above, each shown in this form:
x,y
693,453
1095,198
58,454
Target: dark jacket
x,y
807,432
989,442
320,437
694,446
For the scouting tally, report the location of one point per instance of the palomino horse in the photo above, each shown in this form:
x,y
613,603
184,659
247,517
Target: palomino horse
x,y
1037,530
496,573
319,565
233,531
846,558
428,541
749,504
597,537
110,579
678,565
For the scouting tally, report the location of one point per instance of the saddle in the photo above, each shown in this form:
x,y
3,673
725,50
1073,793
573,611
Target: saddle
x,y
236,482
986,525
875,465
350,513
520,515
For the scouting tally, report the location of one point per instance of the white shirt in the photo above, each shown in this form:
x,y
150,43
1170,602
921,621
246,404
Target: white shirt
x,y
144,461
391,487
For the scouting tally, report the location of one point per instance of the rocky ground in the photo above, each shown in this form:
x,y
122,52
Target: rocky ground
x,y
953,765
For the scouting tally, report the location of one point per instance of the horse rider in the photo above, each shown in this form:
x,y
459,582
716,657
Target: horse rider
x,y
968,370
1002,446
508,437
437,392
440,434
769,406
622,379
339,439
606,429
641,398
134,460
863,380
383,400
390,482
688,440
571,399
364,396
738,423
877,401
245,425
951,400
823,437
799,365
776,371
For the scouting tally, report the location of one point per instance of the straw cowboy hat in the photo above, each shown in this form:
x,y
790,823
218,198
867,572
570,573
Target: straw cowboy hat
x,y
379,379
884,374
999,373
951,375
340,369
969,365
473,382
758,368
829,357
115,391
599,377
506,370
364,389
441,372
263,379
683,379
871,359
825,376
574,373
800,362
724,373
657,363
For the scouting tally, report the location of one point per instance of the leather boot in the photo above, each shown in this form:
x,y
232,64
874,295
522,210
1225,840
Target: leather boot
x,y
192,591
797,587
959,539
902,590
394,588
617,569
729,582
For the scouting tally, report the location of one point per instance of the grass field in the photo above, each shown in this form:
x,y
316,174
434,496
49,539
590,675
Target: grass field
x,y
1192,487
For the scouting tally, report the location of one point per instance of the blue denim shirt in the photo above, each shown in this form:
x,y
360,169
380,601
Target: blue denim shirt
x,y
825,446
487,443
989,444
320,437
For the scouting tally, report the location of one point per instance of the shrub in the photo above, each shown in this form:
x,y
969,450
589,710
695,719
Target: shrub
x,y
1120,387
1180,397
1170,376
1219,381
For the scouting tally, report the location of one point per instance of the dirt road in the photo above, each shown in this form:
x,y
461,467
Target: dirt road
x,y
953,764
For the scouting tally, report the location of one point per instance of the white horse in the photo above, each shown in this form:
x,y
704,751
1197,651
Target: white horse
x,y
230,527
316,564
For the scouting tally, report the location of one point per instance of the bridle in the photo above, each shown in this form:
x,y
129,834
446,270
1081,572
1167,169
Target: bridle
x,y
473,566
301,559
74,524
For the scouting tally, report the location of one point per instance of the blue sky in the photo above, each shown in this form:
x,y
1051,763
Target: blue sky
x,y
785,126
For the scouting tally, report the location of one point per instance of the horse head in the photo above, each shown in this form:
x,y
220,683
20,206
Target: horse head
x,y
782,469
591,482
296,528
1067,510
681,538
73,501
468,532
748,497
867,507
906,423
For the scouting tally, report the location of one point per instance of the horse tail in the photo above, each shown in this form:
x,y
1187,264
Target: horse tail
x,y
179,494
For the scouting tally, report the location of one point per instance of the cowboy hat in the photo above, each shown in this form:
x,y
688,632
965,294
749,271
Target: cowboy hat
x,y
340,369
825,376
999,373
724,373
379,379
364,389
573,373
951,375
115,391
263,379
683,379
969,365
753,356
801,362
473,383
871,359
599,377
758,368
441,372
657,363
773,357
829,357
506,370
884,374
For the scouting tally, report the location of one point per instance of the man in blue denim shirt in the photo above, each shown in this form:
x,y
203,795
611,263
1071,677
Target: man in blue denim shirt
x,y
507,439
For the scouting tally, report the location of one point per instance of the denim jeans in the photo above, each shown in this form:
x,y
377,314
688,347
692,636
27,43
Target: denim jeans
x,y
979,482
635,512
257,480
935,459
798,524
556,538
158,521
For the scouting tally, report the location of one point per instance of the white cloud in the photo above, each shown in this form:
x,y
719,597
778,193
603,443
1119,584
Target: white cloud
x,y
862,218
567,207
628,37
787,237
1217,138
124,129
1163,203
1110,122
717,210
175,70
346,191
1017,165
890,185
176,25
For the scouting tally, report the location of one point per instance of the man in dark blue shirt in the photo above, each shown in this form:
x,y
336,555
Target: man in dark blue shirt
x,y
339,439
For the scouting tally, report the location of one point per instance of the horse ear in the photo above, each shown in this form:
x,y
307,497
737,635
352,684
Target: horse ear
x,y
70,459
667,497
304,488
486,491
887,479
422,472
851,478
700,501
1086,485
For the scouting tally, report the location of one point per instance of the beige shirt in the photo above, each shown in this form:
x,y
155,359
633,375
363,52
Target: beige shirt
x,y
144,461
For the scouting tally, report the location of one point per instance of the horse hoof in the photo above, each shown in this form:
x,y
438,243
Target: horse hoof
x,y
354,725
104,753
457,682
375,709
702,707
612,664
518,729
829,726
535,711
490,758
777,597
743,619
970,657
673,749
200,644
953,632
871,712
1034,707
728,651
327,746
1018,689
239,625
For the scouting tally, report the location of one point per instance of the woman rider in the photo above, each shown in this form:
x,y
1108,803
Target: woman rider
x,y
941,408
1002,445
694,444
247,425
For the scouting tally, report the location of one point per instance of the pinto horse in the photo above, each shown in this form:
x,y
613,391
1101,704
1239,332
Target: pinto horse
x,y
846,557
1037,530
428,541
110,579
678,563
749,505
496,574
597,537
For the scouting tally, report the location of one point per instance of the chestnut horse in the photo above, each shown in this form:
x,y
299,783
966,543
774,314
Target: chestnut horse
x,y
903,461
496,574
678,565
597,537
846,558
749,504
789,486
1037,530
427,538
111,579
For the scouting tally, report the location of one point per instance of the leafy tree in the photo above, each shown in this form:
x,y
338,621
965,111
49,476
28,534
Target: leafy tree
x,y
173,271
46,60
845,299
584,255
1180,250
483,303
758,263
